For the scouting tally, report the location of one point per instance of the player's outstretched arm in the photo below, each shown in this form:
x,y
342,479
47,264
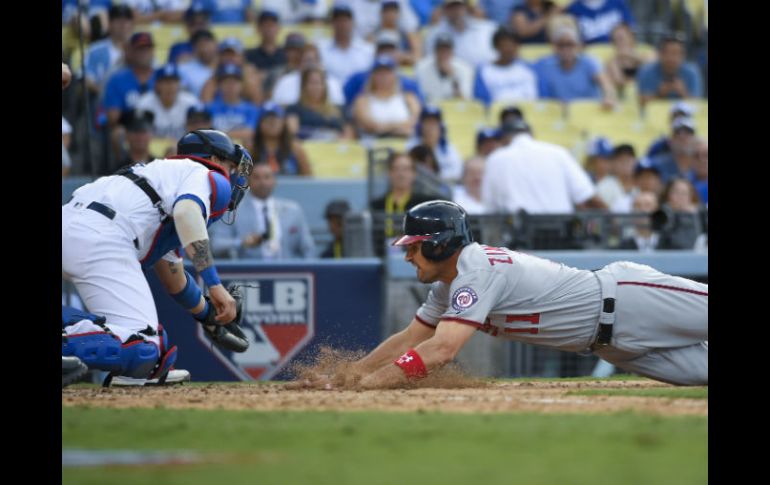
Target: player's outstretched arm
x,y
392,347
423,359
191,228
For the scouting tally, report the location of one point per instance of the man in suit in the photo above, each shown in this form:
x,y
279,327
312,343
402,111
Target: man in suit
x,y
267,227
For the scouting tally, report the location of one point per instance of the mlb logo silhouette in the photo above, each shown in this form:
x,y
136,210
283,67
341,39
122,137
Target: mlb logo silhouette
x,y
278,320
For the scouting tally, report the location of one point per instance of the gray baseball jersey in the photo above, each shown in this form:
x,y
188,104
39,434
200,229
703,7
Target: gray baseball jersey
x,y
661,321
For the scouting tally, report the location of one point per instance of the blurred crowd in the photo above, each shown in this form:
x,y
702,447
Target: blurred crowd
x,y
382,71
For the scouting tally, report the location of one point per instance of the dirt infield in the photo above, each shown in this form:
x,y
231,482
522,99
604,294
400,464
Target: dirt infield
x,y
535,396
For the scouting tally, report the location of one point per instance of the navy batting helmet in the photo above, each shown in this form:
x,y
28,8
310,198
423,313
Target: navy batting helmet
x,y
205,143
440,225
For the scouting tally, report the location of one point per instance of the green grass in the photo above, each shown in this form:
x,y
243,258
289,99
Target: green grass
x,y
317,448
669,392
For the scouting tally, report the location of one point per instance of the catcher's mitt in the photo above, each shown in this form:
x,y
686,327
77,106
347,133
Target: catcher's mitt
x,y
229,336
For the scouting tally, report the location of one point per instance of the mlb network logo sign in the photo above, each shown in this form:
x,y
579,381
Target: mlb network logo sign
x,y
278,320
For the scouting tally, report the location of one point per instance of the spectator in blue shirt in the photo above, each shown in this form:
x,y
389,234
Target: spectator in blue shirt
x,y
568,74
670,77
197,71
680,109
530,20
597,18
105,55
680,160
231,113
196,18
126,85
498,11
230,11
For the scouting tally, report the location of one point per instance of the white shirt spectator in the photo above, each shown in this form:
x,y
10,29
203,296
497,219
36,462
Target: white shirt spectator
x,y
389,110
289,86
294,11
515,82
463,198
194,75
625,203
539,177
473,44
436,88
610,190
168,123
342,63
366,14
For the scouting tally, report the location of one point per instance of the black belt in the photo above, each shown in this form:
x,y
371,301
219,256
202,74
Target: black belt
x,y
604,336
108,213
102,209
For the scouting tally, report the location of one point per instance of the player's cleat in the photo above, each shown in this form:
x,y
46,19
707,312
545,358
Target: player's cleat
x,y
72,369
175,376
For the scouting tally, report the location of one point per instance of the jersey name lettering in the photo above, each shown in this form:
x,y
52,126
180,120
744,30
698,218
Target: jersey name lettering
x,y
492,251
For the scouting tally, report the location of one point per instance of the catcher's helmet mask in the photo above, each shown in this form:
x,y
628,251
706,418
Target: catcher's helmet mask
x,y
214,142
441,226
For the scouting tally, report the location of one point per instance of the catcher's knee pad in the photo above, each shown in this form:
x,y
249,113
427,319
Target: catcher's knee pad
x,y
168,354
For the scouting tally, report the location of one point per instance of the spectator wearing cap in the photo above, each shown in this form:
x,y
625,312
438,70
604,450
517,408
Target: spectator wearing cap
x,y
646,179
231,52
104,56
626,59
512,123
680,109
195,72
443,75
344,53
407,41
468,195
335,216
620,181
231,113
196,18
167,103
229,11
198,118
125,85
314,116
275,144
569,74
153,11
386,46
679,161
288,87
472,36
139,133
530,20
383,109
508,78
369,14
269,56
267,227
432,132
670,77
535,176
294,12
597,19
294,48
487,141
597,162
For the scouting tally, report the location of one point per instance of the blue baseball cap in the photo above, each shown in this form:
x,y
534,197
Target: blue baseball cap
x,y
341,9
267,13
430,111
271,108
390,3
485,134
232,43
599,147
646,163
229,70
384,61
196,8
169,71
198,111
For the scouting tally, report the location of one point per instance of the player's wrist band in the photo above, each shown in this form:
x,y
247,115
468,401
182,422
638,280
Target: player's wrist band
x,y
201,315
210,276
412,365
190,296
